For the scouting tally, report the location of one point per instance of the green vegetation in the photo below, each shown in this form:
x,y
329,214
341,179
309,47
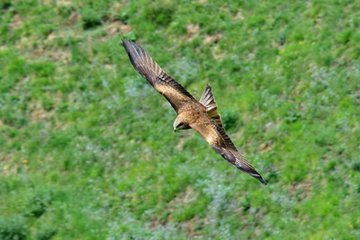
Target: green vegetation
x,y
87,149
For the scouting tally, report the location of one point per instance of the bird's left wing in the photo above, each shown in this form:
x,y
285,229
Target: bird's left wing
x,y
151,71
215,135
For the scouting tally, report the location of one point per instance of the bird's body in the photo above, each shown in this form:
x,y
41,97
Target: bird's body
x,y
202,116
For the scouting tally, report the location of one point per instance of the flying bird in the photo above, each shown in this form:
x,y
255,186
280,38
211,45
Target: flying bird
x,y
202,116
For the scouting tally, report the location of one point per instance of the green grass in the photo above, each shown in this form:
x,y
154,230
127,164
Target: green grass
x,y
87,149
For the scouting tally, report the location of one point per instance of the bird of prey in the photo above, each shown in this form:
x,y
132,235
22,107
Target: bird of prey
x,y
202,116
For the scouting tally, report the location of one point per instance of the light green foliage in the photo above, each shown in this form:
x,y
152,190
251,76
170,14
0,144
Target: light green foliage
x,y
87,149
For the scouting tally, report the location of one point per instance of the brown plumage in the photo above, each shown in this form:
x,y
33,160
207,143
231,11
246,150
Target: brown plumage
x,y
202,116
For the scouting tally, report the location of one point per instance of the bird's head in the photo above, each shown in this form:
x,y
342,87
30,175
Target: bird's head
x,y
179,124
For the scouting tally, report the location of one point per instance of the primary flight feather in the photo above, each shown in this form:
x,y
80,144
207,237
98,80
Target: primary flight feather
x,y
202,116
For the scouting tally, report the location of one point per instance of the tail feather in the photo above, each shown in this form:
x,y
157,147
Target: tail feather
x,y
207,100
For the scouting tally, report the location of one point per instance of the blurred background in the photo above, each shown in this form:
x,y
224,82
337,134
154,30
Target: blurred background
x,y
87,149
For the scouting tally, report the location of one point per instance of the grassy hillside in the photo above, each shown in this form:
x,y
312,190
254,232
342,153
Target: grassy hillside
x,y
87,149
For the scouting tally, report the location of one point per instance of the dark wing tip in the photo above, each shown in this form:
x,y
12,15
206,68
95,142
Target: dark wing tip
x,y
254,174
262,180
124,41
126,44
138,58
238,162
130,50
134,50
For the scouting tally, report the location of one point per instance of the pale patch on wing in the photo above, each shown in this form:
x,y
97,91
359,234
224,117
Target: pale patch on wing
x,y
208,132
211,138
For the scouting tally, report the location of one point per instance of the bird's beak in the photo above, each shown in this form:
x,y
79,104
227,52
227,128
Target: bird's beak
x,y
175,129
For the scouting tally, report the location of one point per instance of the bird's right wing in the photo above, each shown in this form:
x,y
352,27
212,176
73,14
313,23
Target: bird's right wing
x,y
215,135
163,83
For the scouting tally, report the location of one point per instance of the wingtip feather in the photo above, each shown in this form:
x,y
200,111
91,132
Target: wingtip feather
x,y
256,175
134,50
263,181
126,44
